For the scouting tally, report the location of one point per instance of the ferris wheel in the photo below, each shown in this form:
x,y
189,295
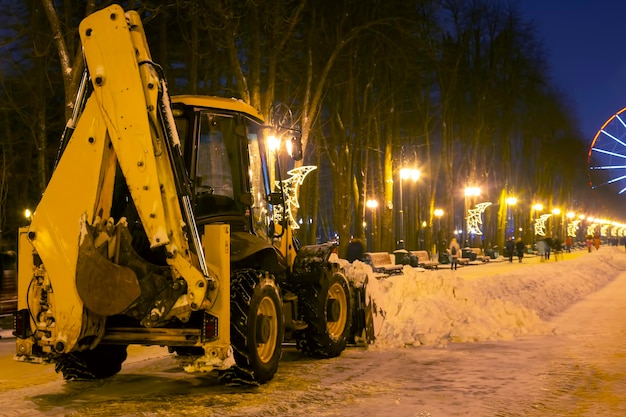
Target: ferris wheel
x,y
607,155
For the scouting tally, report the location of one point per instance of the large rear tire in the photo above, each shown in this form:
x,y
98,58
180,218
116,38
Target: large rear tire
x,y
257,327
101,362
326,310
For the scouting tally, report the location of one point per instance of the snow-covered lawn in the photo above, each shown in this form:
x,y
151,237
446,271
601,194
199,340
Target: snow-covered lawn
x,y
437,307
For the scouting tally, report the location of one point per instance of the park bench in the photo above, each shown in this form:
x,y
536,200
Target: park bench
x,y
479,254
464,260
383,262
461,260
424,261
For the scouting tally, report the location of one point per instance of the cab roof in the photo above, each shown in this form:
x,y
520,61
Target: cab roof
x,y
232,104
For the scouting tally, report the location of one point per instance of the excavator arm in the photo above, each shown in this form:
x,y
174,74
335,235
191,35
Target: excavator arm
x,y
75,265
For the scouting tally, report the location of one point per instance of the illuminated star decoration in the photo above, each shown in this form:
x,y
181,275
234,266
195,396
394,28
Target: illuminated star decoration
x,y
603,229
540,224
591,229
474,219
571,228
292,186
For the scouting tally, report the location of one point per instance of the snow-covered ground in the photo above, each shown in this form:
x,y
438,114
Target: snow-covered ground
x,y
489,302
419,364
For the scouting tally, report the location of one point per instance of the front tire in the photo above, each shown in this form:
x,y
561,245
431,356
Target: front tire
x,y
257,327
326,310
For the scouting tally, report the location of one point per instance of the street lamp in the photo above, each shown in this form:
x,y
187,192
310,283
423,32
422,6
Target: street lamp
x,y
511,201
405,173
555,212
471,193
538,207
372,205
28,214
570,231
438,214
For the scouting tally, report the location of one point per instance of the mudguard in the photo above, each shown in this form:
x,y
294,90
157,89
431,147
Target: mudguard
x,y
310,263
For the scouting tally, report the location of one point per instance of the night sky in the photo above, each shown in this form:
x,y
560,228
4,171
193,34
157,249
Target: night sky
x,y
585,45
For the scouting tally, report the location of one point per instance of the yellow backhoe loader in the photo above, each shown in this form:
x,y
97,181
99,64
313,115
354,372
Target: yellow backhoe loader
x,y
164,224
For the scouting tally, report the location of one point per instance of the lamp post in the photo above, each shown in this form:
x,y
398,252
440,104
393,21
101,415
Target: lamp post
x,y
372,205
538,207
405,173
511,201
555,213
471,193
438,214
569,234
578,237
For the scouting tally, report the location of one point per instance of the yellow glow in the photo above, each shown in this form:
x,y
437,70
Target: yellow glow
x,y
438,212
511,201
556,211
538,207
472,191
570,214
371,204
273,143
28,213
412,173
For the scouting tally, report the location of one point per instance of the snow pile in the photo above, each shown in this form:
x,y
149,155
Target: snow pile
x,y
436,307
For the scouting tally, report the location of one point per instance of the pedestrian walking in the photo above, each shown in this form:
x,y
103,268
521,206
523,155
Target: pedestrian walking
x,y
510,248
549,244
453,252
589,243
520,247
541,249
568,244
596,242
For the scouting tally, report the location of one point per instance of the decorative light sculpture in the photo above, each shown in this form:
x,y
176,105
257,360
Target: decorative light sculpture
x,y
291,186
540,224
474,218
571,228
603,229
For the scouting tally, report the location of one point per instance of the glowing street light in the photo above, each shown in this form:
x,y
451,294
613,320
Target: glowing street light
x,y
372,205
536,208
555,212
472,191
511,201
405,173
438,214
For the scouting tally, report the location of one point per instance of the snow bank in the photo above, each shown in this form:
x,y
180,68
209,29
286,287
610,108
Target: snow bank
x,y
434,308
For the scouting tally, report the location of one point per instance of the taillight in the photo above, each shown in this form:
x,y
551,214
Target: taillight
x,y
209,327
21,324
